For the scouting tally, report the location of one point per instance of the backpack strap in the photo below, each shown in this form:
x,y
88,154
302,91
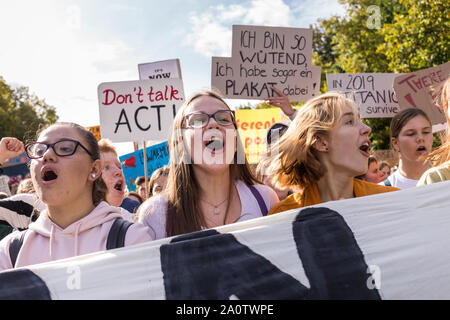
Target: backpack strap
x,y
15,245
259,198
117,233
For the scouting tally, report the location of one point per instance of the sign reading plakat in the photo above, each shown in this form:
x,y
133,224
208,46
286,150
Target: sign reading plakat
x,y
372,92
165,69
139,110
265,57
420,89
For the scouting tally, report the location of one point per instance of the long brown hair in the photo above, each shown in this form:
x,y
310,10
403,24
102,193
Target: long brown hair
x,y
183,191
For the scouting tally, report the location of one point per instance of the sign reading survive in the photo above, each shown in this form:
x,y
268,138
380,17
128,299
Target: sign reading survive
x,y
133,163
139,110
263,57
372,92
420,89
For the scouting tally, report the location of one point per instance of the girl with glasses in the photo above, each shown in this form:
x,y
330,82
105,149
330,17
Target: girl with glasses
x,y
209,182
66,174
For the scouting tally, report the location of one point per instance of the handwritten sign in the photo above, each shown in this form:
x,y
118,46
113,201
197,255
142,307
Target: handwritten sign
x,y
139,110
419,90
372,92
160,69
133,163
263,57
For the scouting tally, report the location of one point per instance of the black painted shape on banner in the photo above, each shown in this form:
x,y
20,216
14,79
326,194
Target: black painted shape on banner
x,y
333,261
210,265
22,284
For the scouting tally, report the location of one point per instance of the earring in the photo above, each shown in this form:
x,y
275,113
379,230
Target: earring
x,y
93,175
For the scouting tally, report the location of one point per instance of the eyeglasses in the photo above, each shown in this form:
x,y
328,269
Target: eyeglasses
x,y
200,119
62,148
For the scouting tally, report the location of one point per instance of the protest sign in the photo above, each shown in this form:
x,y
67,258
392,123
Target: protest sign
x,y
95,131
372,92
139,110
160,69
420,89
252,126
133,163
386,246
263,57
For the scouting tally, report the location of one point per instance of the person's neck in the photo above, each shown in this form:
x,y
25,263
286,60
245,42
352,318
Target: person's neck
x,y
214,187
335,186
412,169
70,212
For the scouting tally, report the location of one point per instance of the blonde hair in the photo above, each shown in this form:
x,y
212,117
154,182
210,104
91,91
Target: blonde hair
x,y
292,161
105,145
442,154
26,186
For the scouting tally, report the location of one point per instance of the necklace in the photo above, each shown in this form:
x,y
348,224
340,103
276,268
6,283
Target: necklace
x,y
216,207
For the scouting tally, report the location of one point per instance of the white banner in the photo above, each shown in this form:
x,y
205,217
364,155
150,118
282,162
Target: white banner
x,y
386,246
139,110
372,92
160,69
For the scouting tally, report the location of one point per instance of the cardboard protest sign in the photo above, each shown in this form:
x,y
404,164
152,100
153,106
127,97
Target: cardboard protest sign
x,y
263,57
252,126
139,110
386,246
160,69
419,90
133,163
372,92
95,131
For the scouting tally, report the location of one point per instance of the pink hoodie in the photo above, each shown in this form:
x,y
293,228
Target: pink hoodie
x,y
45,241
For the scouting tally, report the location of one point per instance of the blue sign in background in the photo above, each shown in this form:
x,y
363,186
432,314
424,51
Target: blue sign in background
x,y
133,163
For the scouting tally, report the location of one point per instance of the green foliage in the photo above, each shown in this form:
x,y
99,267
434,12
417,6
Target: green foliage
x,y
411,35
22,113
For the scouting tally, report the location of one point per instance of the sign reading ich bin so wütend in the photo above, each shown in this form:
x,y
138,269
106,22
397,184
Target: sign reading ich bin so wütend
x,y
265,57
139,110
372,92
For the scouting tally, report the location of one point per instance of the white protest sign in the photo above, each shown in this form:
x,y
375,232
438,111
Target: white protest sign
x,y
139,110
160,69
419,90
263,57
372,92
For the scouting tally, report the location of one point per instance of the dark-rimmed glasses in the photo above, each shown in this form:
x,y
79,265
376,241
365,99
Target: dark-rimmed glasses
x,y
62,148
199,120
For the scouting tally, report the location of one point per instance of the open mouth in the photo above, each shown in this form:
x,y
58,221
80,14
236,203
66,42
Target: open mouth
x,y
421,149
118,186
49,175
214,144
365,147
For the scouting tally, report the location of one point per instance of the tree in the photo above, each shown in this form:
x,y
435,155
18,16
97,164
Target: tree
x,y
22,113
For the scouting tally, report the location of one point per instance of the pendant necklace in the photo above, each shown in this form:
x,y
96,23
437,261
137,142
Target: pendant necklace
x,y
216,207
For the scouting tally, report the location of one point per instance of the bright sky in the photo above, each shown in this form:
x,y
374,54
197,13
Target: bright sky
x,y
63,49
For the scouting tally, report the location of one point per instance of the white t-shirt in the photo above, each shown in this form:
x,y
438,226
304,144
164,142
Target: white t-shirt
x,y
398,180
153,211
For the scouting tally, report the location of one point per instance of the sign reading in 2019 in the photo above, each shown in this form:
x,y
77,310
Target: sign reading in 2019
x,y
139,110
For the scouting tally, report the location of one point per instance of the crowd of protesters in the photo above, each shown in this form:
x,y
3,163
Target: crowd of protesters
x,y
76,201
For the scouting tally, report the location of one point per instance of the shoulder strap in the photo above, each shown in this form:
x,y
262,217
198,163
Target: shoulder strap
x,y
117,233
387,183
259,198
14,247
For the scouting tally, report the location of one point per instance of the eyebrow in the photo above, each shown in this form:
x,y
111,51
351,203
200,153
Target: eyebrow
x,y
349,114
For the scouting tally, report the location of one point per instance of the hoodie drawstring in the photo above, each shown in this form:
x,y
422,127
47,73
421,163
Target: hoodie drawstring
x,y
52,234
77,230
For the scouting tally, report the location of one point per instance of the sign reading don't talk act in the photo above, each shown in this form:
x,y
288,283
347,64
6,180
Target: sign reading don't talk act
x,y
139,110
372,92
263,57
421,88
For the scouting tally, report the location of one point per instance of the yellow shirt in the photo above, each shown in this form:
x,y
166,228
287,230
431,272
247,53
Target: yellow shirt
x,y
436,174
310,195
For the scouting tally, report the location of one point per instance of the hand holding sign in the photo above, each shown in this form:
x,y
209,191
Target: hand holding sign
x,y
282,102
